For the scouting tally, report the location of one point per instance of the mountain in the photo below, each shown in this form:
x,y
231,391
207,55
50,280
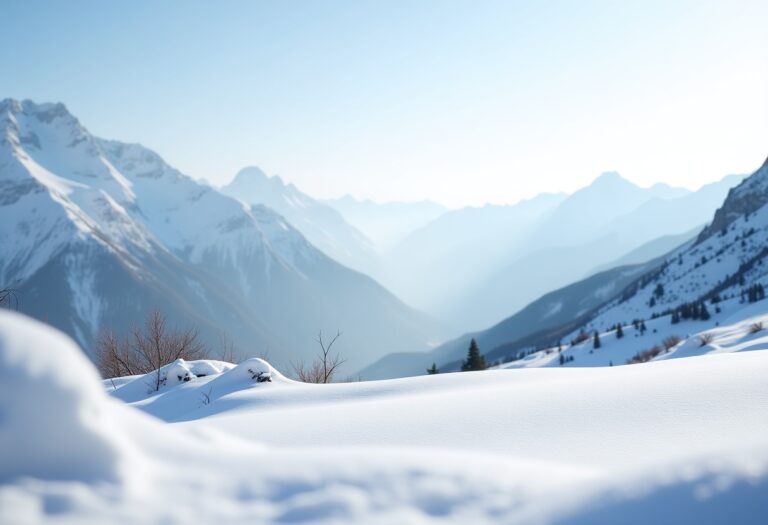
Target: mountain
x,y
322,225
96,233
506,257
386,223
707,296
440,264
726,258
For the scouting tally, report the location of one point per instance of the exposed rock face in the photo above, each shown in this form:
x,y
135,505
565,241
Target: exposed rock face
x,y
747,197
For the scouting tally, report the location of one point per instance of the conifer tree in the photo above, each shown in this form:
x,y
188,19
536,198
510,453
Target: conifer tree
x,y
619,331
703,312
596,341
433,369
475,360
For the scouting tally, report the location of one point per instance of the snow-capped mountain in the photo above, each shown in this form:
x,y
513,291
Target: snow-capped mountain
x,y
95,233
322,225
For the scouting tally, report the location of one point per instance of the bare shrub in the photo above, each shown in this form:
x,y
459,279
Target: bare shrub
x,y
756,327
227,350
9,297
205,397
147,350
705,339
670,342
646,355
323,367
580,338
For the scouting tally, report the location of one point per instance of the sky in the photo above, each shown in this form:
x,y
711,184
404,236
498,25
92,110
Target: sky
x,y
461,102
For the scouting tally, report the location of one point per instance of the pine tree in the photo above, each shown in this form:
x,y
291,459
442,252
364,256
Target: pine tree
x,y
475,360
642,327
596,341
562,359
433,370
619,331
703,312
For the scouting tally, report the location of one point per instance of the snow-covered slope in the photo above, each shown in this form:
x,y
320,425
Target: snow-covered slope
x,y
735,328
97,232
685,439
322,225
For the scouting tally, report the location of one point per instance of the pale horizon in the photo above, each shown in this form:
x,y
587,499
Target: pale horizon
x,y
459,103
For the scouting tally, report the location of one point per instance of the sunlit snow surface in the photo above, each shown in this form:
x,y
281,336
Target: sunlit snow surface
x,y
677,441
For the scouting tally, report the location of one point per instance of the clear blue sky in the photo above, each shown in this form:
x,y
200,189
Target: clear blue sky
x,y
462,102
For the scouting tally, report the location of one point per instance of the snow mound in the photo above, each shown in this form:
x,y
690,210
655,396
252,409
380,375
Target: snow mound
x,y
165,379
183,389
55,421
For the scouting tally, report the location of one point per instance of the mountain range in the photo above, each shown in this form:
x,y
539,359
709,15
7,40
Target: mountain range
x,y
717,267
474,266
96,233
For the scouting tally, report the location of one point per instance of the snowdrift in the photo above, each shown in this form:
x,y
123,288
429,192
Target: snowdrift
x,y
517,446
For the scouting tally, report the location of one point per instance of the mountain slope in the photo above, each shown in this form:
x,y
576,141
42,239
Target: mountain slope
x,y
549,318
499,254
97,232
387,223
323,226
440,264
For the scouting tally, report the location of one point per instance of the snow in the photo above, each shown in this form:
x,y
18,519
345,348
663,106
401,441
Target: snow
x,y
731,330
693,271
683,440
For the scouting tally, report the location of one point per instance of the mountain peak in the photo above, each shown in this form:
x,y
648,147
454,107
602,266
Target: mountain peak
x,y
44,111
251,172
254,177
610,178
